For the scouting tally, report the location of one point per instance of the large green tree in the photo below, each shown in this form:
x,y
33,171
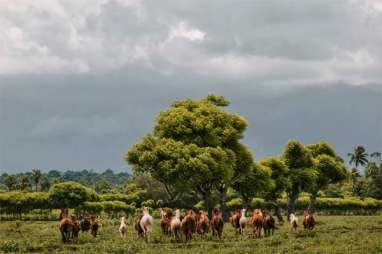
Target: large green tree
x,y
195,145
302,173
279,174
329,167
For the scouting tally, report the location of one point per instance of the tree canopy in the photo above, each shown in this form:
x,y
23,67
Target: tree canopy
x,y
70,195
194,145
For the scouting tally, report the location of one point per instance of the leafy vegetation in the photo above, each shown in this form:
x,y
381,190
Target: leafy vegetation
x,y
107,181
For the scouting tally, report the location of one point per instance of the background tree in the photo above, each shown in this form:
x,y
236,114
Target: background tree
x,y
36,176
279,175
254,183
192,147
102,186
373,174
44,183
243,170
70,195
302,173
10,182
329,167
24,183
357,157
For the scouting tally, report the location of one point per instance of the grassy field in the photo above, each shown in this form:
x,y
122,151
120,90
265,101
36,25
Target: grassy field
x,y
333,234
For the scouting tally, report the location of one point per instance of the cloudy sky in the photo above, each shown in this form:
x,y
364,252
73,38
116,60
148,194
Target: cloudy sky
x,y
81,81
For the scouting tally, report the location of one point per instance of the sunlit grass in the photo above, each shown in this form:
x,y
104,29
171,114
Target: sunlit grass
x,y
333,234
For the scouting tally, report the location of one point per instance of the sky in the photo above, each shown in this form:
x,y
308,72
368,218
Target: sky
x,y
81,81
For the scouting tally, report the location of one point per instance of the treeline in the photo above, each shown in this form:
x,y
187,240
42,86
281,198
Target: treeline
x,y
19,204
64,195
36,180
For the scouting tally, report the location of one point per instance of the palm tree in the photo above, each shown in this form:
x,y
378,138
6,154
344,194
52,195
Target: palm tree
x,y
36,175
358,157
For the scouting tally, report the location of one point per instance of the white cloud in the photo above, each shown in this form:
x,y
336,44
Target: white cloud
x,y
269,42
182,30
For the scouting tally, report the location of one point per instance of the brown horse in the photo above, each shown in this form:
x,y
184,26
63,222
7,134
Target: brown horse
x,y
75,226
308,221
137,225
203,223
257,222
165,221
65,225
85,223
217,223
94,225
235,220
188,224
269,223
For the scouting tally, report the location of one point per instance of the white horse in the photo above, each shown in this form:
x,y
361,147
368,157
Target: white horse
x,y
293,221
175,224
123,228
242,221
146,224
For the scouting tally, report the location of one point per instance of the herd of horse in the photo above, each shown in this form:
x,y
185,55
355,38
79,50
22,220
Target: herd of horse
x,y
70,226
188,223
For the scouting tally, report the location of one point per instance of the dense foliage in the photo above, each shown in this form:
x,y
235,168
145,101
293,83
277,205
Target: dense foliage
x,y
195,146
107,181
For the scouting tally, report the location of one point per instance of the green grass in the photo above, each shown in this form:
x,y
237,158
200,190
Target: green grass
x,y
333,234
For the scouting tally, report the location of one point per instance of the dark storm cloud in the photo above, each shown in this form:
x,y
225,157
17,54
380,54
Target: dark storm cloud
x,y
90,121
81,81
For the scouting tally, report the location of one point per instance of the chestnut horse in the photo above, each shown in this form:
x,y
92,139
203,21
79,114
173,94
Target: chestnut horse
x,y
75,226
93,225
165,220
188,224
235,220
217,223
308,221
65,225
203,223
257,222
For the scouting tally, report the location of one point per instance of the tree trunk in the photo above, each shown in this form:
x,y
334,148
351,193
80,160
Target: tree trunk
x,y
208,203
312,203
278,211
223,206
292,197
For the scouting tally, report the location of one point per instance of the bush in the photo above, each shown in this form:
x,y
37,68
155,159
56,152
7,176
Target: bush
x,y
17,203
112,208
70,195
